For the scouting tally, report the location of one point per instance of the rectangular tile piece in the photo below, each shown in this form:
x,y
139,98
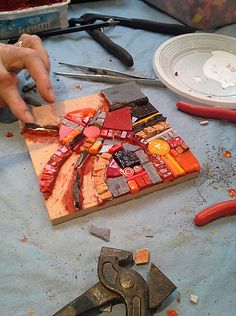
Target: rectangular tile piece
x,y
142,111
142,156
118,186
123,94
142,256
126,158
152,173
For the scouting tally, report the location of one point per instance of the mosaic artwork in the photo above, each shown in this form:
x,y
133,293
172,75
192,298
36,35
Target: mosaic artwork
x,y
97,151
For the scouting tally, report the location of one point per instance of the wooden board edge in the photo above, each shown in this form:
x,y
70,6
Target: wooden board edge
x,y
123,199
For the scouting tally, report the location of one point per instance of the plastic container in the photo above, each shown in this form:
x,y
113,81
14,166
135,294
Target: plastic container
x,y
201,14
32,20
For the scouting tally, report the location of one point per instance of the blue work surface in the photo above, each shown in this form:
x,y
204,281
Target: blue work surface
x,y
44,267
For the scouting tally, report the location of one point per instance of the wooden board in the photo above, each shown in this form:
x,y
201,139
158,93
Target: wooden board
x,y
42,148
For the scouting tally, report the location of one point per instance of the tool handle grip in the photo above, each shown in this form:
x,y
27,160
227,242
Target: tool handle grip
x,y
157,27
114,49
207,112
215,211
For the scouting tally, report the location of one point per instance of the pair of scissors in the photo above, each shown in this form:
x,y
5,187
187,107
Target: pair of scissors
x,y
107,75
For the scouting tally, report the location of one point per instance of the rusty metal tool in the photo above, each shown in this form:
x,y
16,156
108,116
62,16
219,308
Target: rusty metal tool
x,y
118,283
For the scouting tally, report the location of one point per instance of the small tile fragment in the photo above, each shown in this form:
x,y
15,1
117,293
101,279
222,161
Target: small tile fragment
x,y
203,122
134,188
126,158
144,110
130,147
172,312
9,134
152,173
232,192
194,298
102,233
178,297
142,156
118,186
142,256
107,196
213,231
227,154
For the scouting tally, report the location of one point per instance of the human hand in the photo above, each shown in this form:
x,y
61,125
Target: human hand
x,y
28,53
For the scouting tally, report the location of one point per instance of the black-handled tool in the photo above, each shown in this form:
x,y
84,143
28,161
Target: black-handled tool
x,y
72,29
116,50
157,27
148,25
113,48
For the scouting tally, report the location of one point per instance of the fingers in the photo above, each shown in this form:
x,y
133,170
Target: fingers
x,y
17,105
33,57
10,95
35,66
34,42
15,58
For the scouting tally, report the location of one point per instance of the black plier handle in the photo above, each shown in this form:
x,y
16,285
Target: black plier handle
x,y
148,25
116,50
111,47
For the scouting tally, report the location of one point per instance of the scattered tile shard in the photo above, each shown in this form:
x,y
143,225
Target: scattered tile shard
x,y
178,297
203,122
172,312
227,154
232,192
194,298
102,233
142,256
9,134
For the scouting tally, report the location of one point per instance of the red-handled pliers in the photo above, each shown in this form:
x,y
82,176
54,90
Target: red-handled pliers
x,y
207,112
215,211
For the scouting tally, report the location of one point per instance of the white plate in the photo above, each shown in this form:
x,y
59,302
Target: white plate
x,y
180,64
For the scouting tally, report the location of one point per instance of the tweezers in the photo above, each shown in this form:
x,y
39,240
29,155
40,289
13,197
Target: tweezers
x,y
107,75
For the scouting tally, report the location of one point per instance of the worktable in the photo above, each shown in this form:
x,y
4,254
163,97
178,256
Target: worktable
x,y
43,267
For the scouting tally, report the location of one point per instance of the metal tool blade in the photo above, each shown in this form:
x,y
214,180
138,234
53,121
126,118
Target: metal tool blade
x,y
102,71
111,79
93,299
160,287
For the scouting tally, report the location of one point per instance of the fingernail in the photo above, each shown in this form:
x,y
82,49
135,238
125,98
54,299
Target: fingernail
x,y
51,95
28,117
